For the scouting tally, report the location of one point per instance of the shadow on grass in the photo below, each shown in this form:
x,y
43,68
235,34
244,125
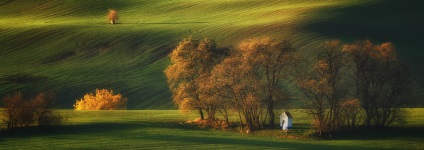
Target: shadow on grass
x,y
380,134
400,22
174,132
170,132
27,132
385,20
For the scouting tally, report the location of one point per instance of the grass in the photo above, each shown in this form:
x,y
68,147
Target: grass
x,y
68,47
382,21
72,48
163,129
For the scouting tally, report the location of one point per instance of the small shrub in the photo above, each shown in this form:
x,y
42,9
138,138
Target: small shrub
x,y
112,16
309,134
50,120
43,103
102,100
211,124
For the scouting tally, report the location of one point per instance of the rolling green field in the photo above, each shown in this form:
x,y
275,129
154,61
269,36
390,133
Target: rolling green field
x,y
165,129
68,46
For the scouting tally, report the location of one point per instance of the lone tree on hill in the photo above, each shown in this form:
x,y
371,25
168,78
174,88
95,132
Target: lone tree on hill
x,y
112,16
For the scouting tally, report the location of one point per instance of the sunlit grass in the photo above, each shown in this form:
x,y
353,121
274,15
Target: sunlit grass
x,y
130,56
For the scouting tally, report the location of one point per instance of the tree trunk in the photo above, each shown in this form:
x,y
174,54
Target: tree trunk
x,y
271,113
241,122
112,22
201,114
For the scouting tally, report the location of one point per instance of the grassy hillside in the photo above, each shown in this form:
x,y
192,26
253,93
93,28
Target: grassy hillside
x,y
159,129
399,22
68,46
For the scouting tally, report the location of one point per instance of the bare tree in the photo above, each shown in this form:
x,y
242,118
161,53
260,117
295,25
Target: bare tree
x,y
43,104
22,113
351,112
18,112
323,87
380,81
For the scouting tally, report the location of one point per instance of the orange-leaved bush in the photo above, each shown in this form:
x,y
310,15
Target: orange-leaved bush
x,y
112,16
102,100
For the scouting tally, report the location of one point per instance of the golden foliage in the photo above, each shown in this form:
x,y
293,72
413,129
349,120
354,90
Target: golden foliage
x,y
361,49
191,63
350,109
351,103
270,61
102,100
112,15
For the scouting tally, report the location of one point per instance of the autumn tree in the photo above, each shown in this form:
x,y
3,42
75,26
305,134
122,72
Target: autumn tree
x,y
249,79
21,113
235,82
271,61
102,100
112,16
191,63
17,111
323,87
351,110
380,80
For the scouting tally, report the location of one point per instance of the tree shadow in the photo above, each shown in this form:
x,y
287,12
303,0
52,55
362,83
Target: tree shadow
x,y
75,129
410,133
179,134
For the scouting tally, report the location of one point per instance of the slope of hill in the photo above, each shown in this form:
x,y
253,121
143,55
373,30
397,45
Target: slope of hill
x,y
69,47
399,22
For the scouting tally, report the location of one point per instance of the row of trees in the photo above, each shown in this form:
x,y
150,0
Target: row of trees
x,y
345,80
19,112
349,78
246,79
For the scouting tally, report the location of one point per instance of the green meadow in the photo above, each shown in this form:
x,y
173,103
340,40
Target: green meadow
x,y
165,129
69,48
